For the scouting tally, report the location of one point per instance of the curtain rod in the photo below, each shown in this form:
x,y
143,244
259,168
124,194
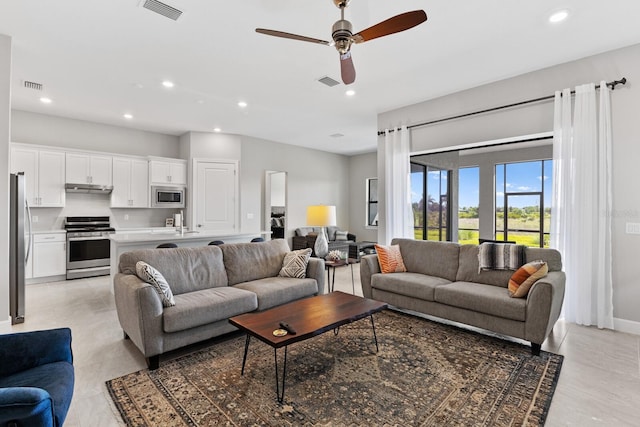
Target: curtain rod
x,y
612,84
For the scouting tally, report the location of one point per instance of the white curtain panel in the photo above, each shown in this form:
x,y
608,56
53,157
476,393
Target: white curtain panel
x,y
581,206
398,214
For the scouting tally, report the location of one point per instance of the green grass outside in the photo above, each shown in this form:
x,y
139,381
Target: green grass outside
x,y
470,237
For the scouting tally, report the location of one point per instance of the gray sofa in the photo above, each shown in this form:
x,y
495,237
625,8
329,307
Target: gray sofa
x,y
210,284
305,237
443,280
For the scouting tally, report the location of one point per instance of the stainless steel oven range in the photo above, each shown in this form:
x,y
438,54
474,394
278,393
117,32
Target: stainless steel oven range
x,y
88,246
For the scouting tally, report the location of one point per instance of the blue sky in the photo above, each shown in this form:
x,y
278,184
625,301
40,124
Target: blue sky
x,y
521,177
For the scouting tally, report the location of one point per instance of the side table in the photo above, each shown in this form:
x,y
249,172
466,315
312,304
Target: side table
x,y
331,268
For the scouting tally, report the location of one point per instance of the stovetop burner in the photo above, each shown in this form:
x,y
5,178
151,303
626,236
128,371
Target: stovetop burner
x,y
88,223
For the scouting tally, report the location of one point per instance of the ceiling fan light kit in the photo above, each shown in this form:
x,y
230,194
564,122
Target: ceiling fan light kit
x,y
343,37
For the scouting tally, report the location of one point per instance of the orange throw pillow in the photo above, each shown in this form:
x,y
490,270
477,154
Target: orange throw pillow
x,y
390,259
525,277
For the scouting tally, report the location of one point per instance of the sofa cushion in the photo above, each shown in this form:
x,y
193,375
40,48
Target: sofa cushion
x,y
482,298
551,256
295,264
206,306
153,277
275,291
432,258
342,236
409,284
525,277
247,261
186,269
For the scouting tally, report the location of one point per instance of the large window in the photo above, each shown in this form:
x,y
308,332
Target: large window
x,y
372,202
429,199
523,202
468,205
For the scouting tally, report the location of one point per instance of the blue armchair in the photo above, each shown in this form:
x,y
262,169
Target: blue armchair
x,y
36,378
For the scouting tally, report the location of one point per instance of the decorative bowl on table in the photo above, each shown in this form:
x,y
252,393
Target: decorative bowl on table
x,y
335,255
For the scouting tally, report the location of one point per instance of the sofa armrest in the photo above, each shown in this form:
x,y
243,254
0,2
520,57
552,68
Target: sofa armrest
x,y
351,237
140,313
368,266
544,304
34,349
26,406
315,270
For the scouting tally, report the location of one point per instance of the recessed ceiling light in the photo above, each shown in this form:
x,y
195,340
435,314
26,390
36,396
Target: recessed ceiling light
x,y
350,92
167,83
127,116
559,16
217,130
45,100
242,104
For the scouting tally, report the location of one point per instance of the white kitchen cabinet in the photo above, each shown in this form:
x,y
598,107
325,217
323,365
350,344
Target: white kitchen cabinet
x,y
44,175
130,183
49,254
168,171
88,169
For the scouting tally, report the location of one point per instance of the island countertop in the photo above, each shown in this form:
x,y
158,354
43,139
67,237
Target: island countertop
x,y
176,236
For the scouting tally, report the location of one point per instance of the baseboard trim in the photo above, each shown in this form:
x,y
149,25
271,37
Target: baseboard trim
x,y
627,326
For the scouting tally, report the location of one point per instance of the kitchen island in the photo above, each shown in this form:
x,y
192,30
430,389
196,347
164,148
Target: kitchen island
x,y
125,242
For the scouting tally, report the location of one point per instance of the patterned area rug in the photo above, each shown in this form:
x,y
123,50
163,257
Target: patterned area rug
x,y
425,374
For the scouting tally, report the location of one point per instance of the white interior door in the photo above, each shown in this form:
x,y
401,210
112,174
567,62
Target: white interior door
x,y
216,196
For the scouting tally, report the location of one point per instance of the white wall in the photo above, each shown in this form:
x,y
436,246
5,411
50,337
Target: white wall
x,y
313,177
539,118
33,128
5,133
361,167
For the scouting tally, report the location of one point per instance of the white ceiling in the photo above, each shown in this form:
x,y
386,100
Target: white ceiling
x,y
100,59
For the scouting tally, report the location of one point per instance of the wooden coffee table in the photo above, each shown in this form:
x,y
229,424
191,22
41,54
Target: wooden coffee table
x,y
309,317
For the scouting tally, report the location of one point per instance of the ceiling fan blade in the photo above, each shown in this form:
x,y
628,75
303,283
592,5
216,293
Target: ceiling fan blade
x,y
396,24
347,70
290,36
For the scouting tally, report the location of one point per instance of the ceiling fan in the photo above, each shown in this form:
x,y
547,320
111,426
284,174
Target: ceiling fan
x,y
343,36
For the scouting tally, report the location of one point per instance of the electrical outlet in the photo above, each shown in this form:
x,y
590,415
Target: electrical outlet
x,y
126,217
34,218
633,228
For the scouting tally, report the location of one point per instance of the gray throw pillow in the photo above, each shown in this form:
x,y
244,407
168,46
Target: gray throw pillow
x,y
153,277
341,236
295,264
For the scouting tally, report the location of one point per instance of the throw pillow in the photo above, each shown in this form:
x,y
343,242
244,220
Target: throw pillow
x,y
500,256
522,280
390,259
341,236
152,276
295,264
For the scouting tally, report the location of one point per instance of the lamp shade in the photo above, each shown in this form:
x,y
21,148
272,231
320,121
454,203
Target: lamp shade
x,y
321,216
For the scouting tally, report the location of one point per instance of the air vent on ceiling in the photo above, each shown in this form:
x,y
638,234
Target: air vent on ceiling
x,y
32,85
326,80
162,9
336,135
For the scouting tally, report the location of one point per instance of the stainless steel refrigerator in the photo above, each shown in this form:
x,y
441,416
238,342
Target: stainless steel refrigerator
x,y
19,252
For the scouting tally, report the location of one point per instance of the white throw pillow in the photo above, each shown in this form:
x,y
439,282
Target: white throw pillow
x,y
342,236
152,276
295,264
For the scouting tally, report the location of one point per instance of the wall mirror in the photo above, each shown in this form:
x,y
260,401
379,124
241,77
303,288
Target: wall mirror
x,y
275,207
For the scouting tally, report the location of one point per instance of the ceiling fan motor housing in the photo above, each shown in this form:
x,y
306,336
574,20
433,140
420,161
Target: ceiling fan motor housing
x,y
342,35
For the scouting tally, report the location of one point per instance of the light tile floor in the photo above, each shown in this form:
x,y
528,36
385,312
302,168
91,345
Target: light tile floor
x,y
599,382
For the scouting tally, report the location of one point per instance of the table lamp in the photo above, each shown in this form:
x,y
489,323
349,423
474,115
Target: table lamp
x,y
321,216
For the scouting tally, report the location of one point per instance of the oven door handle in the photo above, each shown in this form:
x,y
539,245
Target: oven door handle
x,y
80,239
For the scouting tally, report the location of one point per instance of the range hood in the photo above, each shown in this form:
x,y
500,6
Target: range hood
x,y
88,188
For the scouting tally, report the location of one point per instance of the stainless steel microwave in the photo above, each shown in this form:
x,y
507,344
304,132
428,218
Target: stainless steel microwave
x,y
167,197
